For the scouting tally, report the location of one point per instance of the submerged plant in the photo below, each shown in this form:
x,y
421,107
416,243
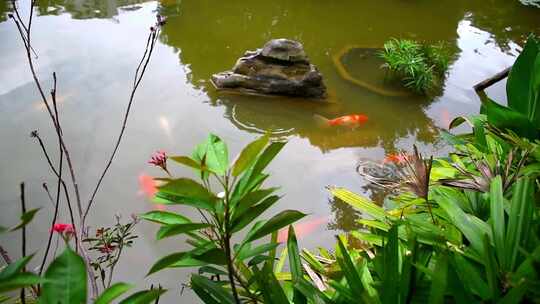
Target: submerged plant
x,y
420,67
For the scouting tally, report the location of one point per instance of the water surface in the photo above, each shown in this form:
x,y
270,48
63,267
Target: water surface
x,y
94,46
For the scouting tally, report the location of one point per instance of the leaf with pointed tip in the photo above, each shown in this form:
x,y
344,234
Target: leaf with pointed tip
x,y
165,217
113,292
186,191
20,280
26,218
66,280
249,154
277,222
210,290
247,252
295,265
249,215
143,296
15,268
171,230
217,155
187,161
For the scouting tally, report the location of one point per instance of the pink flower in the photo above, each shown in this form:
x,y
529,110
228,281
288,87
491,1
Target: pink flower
x,y
159,159
63,228
107,248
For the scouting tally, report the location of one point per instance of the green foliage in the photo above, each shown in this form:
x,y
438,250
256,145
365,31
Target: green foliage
x,y
476,245
108,244
523,92
420,67
229,272
65,280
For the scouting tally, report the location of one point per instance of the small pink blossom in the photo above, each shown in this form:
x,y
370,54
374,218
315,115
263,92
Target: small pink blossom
x,y
107,248
63,228
159,159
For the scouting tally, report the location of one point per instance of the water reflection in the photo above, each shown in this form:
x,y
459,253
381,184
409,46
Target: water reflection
x,y
87,9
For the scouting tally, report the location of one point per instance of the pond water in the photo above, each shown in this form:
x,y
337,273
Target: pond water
x,y
94,46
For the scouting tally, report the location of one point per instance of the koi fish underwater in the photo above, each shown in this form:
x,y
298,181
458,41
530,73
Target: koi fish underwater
x,y
148,188
303,229
352,120
398,158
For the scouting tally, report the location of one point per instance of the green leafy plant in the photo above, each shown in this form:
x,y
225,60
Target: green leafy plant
x,y
483,245
64,281
522,115
420,67
108,244
229,271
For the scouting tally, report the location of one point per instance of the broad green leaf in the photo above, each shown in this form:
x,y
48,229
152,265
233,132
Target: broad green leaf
x,y
143,296
66,280
211,270
456,122
491,268
249,154
369,238
439,280
214,256
168,261
249,215
253,176
171,230
390,275
506,118
471,276
277,222
251,199
446,200
520,216
15,267
187,258
311,292
187,161
247,252
360,203
217,155
272,292
349,270
371,294
520,80
26,218
113,292
188,192
19,280
497,219
165,217
295,264
216,291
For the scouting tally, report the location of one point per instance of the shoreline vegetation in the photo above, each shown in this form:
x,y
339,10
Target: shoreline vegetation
x,y
463,228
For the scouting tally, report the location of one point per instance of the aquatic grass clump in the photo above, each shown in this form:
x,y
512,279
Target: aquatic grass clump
x,y
420,67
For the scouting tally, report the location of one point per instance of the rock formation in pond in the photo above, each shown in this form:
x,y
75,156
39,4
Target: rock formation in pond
x,y
281,67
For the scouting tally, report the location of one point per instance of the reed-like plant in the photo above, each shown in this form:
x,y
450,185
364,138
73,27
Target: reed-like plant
x,y
421,67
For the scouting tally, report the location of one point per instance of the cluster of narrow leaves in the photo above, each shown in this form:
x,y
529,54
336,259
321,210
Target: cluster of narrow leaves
x,y
229,271
420,66
483,245
108,244
63,282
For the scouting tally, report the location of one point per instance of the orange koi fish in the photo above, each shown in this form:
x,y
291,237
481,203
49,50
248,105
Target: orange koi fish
x,y
148,188
445,118
302,229
347,120
395,158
